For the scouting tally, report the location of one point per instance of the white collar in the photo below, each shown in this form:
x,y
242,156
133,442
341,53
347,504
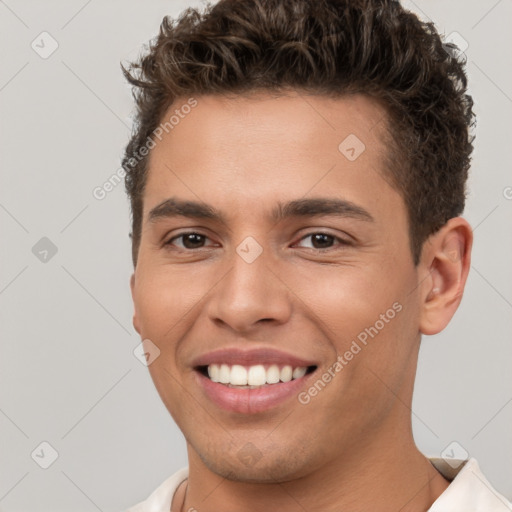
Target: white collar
x,y
469,490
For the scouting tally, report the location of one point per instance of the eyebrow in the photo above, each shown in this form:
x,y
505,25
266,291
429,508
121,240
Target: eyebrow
x,y
313,207
320,206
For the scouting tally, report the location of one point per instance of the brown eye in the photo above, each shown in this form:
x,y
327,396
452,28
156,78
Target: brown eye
x,y
193,240
319,241
188,241
322,241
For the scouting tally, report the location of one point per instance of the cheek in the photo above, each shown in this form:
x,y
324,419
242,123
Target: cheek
x,y
164,298
166,302
344,299
367,315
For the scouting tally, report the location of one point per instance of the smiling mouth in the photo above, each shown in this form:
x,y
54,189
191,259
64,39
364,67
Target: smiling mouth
x,y
254,376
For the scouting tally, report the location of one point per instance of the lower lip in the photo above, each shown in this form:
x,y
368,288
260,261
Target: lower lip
x,y
250,401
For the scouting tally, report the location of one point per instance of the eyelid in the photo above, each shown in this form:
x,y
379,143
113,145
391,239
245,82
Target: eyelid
x,y
169,241
341,241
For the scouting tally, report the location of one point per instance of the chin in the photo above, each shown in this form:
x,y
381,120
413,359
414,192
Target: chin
x,y
250,465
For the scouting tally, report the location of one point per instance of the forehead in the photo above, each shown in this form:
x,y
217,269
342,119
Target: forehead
x,y
287,120
244,149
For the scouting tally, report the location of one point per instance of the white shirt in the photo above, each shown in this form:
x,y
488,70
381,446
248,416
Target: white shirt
x,y
469,491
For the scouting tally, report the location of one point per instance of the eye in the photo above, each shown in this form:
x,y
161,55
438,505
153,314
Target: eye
x,y
321,241
188,241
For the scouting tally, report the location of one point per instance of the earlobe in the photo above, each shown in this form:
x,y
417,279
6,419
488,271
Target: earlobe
x,y
135,320
446,261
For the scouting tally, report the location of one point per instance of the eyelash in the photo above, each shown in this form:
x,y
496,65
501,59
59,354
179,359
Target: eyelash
x,y
341,242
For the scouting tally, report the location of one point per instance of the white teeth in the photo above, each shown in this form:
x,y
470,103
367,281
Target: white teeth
x,y
254,376
224,374
299,372
286,373
257,376
273,374
238,375
213,372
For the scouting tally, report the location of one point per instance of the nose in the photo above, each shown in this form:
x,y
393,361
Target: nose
x,y
250,295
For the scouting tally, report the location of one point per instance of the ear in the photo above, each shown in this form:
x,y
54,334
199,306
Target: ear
x,y
443,270
136,325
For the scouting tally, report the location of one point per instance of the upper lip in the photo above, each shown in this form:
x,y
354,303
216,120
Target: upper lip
x,y
251,357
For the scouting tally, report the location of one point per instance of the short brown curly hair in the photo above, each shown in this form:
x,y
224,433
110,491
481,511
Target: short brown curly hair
x,y
324,47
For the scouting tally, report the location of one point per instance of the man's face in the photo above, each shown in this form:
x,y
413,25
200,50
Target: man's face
x,y
325,278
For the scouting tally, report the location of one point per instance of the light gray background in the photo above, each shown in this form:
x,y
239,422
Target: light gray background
x,y
68,375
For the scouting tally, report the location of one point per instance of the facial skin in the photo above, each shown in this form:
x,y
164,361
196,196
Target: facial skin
x,y
351,446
